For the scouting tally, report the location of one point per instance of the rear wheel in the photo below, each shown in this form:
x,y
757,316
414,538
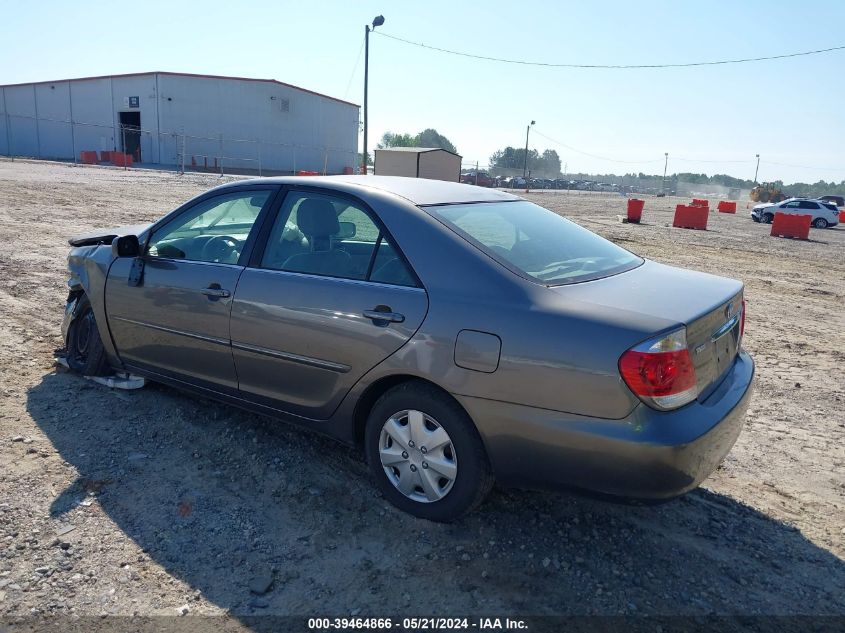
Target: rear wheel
x,y
426,454
85,352
768,217
820,223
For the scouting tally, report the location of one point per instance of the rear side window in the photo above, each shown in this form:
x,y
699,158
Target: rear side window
x,y
804,204
321,234
536,242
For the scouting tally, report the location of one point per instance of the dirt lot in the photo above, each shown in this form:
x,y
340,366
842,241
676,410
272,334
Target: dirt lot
x,y
153,502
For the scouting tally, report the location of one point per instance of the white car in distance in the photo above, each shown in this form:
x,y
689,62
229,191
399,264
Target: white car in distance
x,y
824,214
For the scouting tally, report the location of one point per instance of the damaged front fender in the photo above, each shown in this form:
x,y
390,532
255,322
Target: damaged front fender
x,y
70,313
88,267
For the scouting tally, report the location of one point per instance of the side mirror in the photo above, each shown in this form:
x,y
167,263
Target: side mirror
x,y
126,246
347,231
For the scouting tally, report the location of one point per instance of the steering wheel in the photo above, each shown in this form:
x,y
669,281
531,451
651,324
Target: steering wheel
x,y
221,249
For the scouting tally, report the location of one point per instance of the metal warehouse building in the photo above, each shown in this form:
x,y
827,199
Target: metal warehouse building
x,y
163,118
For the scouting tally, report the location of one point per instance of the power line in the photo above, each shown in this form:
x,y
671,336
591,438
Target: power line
x,y
677,158
611,66
768,162
578,151
702,160
354,70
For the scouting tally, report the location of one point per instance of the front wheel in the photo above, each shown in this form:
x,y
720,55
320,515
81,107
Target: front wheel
x,y
426,454
85,352
820,223
768,217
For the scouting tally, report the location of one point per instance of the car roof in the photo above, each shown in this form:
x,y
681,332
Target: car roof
x,y
419,191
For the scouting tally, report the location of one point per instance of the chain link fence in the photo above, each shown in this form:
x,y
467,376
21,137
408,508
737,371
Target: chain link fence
x,y
62,139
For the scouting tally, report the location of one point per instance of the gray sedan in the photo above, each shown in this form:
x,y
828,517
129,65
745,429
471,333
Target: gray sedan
x,y
458,334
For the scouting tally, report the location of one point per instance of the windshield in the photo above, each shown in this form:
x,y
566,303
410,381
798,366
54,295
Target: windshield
x,y
536,242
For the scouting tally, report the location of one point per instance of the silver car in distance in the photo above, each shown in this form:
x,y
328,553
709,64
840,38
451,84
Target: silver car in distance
x,y
457,334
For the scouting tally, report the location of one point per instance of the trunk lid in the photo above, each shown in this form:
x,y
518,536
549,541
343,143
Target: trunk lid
x,y
713,341
662,297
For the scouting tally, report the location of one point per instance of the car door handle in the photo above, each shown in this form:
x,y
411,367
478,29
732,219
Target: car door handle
x,y
216,292
384,315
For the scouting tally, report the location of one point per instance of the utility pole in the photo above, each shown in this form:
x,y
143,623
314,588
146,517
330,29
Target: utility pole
x,y
525,157
665,165
377,21
757,170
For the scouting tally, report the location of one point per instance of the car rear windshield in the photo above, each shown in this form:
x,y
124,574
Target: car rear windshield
x,y
536,242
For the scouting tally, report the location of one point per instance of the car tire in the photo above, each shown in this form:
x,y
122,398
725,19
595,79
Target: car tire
x,y
768,217
465,452
756,219
820,223
85,352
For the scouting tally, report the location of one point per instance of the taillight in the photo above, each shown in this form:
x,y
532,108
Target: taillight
x,y
660,371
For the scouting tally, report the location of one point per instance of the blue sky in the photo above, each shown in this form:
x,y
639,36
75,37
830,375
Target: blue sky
x,y
789,111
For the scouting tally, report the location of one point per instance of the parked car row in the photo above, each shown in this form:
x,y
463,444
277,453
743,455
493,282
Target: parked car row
x,y
559,183
825,213
480,178
484,179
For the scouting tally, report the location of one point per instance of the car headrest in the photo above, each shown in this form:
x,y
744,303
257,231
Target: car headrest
x,y
317,218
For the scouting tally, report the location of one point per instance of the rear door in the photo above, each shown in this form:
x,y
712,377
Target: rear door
x,y
327,298
176,321
810,208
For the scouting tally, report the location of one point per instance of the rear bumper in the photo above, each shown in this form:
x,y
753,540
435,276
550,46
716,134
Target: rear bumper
x,y
648,455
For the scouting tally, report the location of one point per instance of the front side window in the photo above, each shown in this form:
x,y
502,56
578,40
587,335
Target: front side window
x,y
536,242
320,234
214,230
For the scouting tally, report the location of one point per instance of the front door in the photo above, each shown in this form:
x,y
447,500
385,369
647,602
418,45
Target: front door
x,y
176,322
329,298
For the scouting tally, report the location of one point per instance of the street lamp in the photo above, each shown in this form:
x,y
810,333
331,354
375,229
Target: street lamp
x,y
377,21
757,169
525,158
665,165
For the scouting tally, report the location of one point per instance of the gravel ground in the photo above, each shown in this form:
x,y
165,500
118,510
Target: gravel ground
x,y
156,503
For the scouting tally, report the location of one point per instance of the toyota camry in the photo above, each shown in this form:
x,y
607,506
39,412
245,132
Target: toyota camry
x,y
457,335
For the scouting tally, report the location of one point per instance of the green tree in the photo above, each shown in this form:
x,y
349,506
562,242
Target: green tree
x,y
551,163
432,138
427,138
546,164
389,139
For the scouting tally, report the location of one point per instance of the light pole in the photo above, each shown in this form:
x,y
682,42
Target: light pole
x,y
377,21
665,165
757,169
525,157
